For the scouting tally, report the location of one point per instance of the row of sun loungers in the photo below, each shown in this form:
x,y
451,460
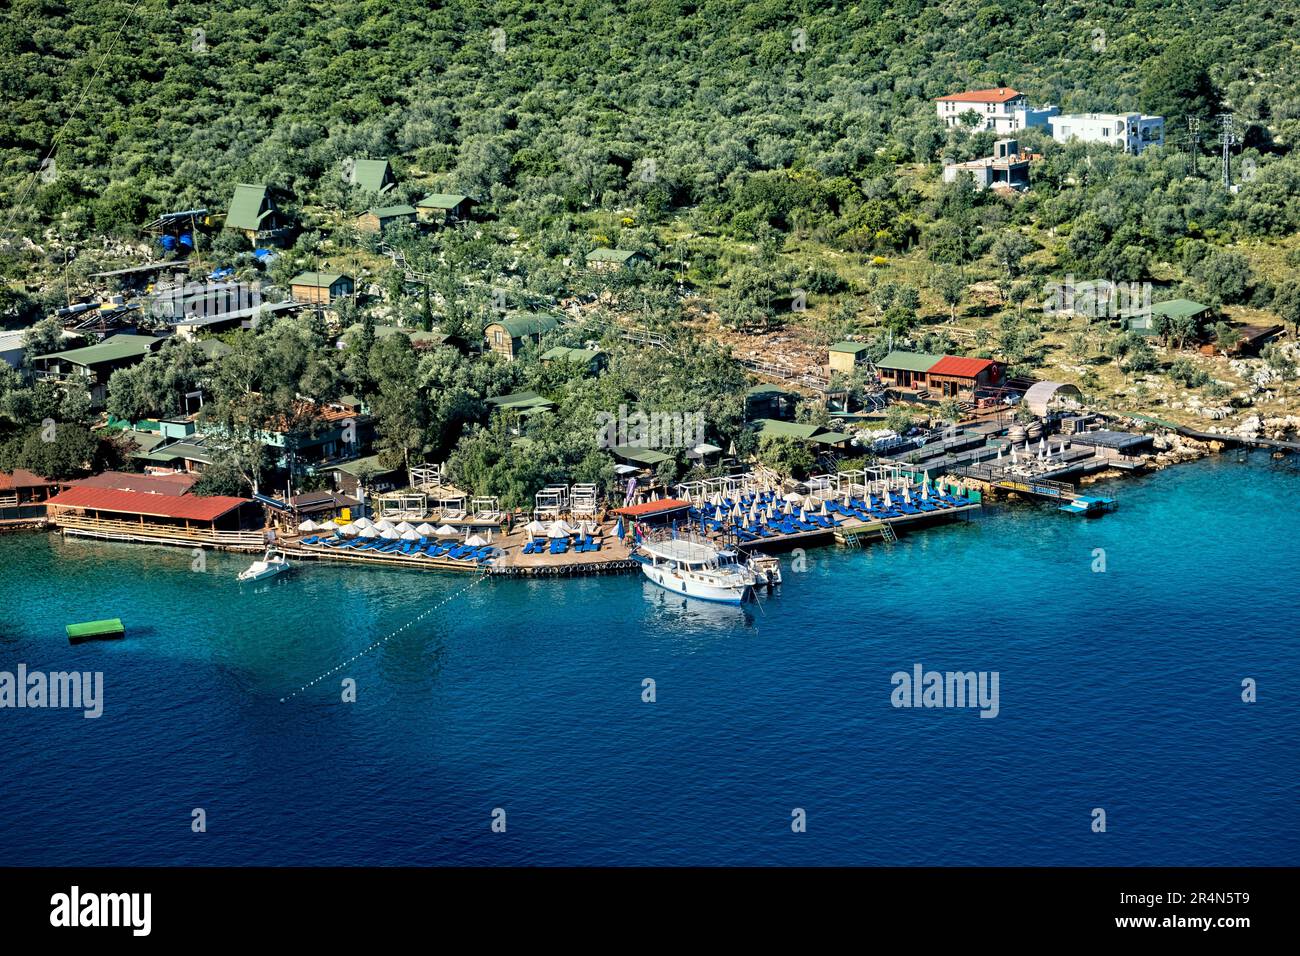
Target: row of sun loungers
x,y
422,548
586,543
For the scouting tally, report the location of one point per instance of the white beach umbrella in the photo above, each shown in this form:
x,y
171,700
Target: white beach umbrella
x,y
999,452
535,527
889,502
363,522
475,541
307,525
824,512
925,492
907,495
384,525
388,534
556,532
410,534
793,496
330,525
789,507
368,532
424,528
717,514
446,531
350,530
403,526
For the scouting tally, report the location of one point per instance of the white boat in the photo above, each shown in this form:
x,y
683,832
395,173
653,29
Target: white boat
x,y
696,569
766,568
271,564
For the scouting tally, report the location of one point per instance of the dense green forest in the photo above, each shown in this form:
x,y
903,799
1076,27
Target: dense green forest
x,y
746,149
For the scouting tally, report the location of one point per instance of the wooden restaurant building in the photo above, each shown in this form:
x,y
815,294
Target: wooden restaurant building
x,y
156,511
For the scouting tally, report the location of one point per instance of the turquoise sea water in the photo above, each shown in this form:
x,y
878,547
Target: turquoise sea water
x,y
1119,690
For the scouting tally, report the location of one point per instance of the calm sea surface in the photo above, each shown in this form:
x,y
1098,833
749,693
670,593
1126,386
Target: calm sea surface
x,y
1118,690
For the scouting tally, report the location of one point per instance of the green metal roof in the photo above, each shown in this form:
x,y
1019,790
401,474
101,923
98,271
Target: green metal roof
x,y
647,457
322,279
519,401
520,325
763,388
909,361
852,348
773,428
249,207
1178,308
113,349
442,201
373,175
575,355
388,212
602,254
353,468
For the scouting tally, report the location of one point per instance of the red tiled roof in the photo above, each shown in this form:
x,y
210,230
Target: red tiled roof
x,y
22,478
154,484
999,95
959,367
192,507
653,507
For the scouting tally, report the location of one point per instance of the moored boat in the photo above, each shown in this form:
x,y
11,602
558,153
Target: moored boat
x,y
766,568
271,564
696,569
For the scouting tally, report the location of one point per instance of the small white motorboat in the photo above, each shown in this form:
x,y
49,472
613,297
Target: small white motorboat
x,y
766,568
271,564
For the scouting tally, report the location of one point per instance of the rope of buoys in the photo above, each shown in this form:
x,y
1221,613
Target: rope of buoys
x,y
384,640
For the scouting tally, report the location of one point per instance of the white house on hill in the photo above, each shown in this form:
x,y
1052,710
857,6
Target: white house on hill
x,y
1131,132
1002,110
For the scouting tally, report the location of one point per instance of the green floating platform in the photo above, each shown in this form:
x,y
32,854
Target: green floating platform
x,y
96,630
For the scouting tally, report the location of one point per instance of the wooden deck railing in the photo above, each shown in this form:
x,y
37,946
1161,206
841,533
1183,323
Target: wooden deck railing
x,y
119,530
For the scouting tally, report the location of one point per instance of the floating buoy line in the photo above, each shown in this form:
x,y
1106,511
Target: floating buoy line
x,y
384,640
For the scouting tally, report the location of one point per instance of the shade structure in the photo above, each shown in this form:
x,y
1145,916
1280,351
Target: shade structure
x,y
368,532
803,514
825,512
446,531
793,496
535,527
717,514
388,534
410,534
889,501
330,525
384,525
476,541
363,522
555,531
307,525
424,528
562,526
350,530
789,507
403,526
925,492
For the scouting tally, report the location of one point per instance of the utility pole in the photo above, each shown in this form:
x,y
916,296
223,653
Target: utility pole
x,y
1193,140
1228,137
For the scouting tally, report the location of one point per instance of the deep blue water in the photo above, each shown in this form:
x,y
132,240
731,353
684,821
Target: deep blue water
x,y
1118,690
